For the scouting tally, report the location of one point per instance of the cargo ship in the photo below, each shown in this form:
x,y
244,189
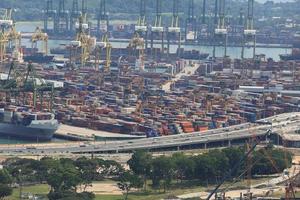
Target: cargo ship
x,y
295,55
38,57
20,123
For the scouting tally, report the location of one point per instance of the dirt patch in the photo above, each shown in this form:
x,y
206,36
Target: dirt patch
x,y
105,188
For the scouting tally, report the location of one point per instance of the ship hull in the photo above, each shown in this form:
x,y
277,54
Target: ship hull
x,y
38,59
27,133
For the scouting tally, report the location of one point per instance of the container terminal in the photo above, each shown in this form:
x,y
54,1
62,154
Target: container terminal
x,y
144,89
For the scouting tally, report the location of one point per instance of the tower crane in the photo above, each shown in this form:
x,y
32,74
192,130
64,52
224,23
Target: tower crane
x,y
221,29
100,46
174,30
37,36
157,29
102,19
137,44
141,26
190,24
249,31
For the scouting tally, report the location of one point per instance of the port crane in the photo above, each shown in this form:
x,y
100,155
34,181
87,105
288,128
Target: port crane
x,y
137,44
249,33
157,29
75,14
5,24
62,19
24,81
174,31
141,27
37,36
102,19
100,46
6,20
220,32
191,23
14,42
50,16
82,43
3,44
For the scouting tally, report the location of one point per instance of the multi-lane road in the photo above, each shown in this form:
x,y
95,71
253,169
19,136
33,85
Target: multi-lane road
x,y
212,138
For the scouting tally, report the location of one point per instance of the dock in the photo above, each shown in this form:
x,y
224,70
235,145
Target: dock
x,y
84,134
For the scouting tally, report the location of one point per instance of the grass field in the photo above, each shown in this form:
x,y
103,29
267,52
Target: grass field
x,y
177,189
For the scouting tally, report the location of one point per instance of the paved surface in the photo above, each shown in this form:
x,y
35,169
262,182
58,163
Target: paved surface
x,y
187,71
71,131
266,188
289,121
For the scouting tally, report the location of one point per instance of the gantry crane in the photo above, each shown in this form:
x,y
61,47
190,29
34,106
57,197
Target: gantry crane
x,y
174,31
75,13
249,31
6,20
203,24
14,42
220,32
100,46
102,19
82,42
157,29
137,44
141,27
50,16
191,23
22,80
37,36
85,23
62,19
3,44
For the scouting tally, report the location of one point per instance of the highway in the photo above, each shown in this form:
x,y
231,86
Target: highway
x,y
221,137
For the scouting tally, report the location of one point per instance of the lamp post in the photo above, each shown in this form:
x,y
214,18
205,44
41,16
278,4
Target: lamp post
x,y
20,184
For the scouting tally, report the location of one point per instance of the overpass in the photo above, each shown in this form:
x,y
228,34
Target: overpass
x,y
280,125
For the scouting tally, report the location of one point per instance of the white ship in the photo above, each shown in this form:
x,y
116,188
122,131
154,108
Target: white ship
x,y
22,123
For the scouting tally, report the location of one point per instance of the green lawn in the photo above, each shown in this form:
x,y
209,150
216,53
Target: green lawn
x,y
42,189
177,189
109,197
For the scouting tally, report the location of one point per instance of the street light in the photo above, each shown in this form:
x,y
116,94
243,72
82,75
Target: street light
x,y
20,183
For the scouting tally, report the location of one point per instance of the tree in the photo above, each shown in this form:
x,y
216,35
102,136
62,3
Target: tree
x,y
234,156
162,171
63,176
184,166
5,182
87,169
5,191
140,164
129,180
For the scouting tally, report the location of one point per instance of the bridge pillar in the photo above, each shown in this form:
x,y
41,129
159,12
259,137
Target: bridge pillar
x,y
205,145
178,148
229,143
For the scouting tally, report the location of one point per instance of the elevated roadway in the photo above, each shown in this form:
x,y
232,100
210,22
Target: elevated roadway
x,y
290,122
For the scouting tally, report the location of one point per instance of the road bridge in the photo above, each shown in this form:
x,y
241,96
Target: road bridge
x,y
233,135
